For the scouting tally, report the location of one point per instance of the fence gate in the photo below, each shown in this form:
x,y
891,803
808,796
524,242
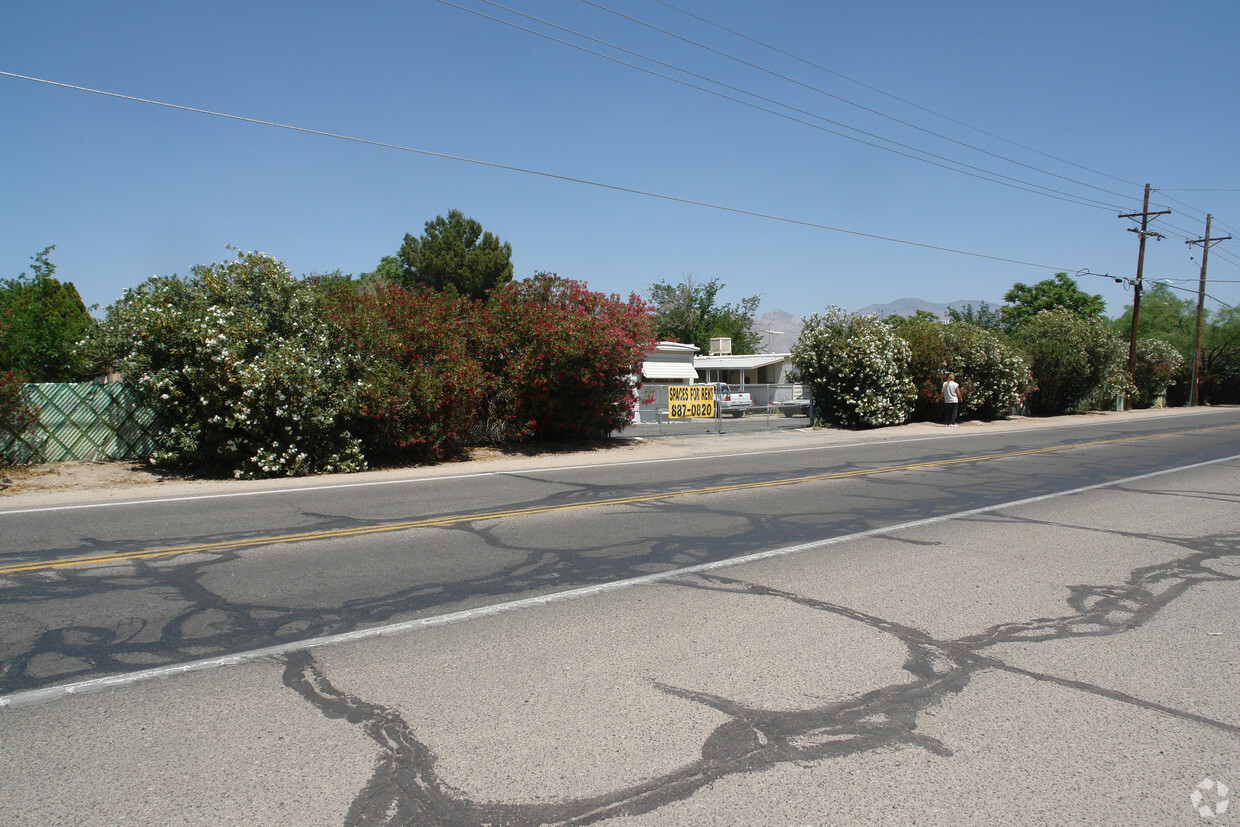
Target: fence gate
x,y
83,421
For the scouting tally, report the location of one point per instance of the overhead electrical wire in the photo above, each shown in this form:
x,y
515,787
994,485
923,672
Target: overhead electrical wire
x,y
896,98
839,98
1167,282
925,109
526,171
750,64
1227,256
980,173
947,163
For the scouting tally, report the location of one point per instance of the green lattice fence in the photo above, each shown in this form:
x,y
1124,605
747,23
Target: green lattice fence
x,y
83,421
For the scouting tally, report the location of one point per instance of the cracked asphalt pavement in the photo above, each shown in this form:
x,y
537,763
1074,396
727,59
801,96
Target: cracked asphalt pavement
x,y
1072,659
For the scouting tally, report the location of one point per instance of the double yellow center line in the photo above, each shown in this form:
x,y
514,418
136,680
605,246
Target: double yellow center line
x,y
453,519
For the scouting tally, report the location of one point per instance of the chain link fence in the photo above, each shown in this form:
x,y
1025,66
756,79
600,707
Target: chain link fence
x,y
774,407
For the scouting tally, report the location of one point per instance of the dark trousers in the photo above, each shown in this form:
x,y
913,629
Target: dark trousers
x,y
952,408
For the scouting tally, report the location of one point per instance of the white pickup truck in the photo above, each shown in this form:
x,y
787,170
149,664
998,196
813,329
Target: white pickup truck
x,y
732,403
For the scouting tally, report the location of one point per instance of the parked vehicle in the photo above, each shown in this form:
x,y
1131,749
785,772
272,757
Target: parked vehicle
x,y
732,403
795,407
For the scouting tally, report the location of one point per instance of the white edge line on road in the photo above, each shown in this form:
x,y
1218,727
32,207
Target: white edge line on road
x,y
35,697
550,470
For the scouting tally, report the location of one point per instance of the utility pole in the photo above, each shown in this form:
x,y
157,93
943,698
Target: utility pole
x,y
1144,232
1201,300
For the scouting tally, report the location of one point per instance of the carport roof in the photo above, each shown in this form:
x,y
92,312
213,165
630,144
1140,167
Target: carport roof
x,y
750,362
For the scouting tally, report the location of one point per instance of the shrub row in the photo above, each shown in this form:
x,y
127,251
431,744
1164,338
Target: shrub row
x,y
257,373
867,373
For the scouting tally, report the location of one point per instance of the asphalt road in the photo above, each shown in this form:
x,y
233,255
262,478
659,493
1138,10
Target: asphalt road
x,y
1018,625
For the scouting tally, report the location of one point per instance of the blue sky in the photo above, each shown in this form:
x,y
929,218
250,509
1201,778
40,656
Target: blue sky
x,y
1089,99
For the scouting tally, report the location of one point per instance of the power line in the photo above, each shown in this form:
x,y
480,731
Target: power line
x,y
897,98
1187,234
841,99
1228,257
1128,282
980,173
915,105
889,95
539,173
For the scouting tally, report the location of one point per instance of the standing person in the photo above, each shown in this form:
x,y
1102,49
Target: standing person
x,y
951,399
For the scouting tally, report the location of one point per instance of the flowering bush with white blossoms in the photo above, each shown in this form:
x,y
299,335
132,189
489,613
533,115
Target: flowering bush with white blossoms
x,y
239,369
857,368
994,377
1158,363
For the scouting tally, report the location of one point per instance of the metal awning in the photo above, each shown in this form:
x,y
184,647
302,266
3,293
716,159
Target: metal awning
x,y
669,370
749,362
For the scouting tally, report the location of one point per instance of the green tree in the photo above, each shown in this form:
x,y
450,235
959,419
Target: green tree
x,y
387,274
920,317
1026,301
1164,315
1167,317
688,312
454,255
1220,357
985,316
1078,363
44,322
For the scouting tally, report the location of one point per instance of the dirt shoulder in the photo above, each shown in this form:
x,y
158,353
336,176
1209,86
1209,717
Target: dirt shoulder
x,y
66,483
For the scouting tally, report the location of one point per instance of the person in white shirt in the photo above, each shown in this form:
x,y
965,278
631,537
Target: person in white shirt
x,y
951,399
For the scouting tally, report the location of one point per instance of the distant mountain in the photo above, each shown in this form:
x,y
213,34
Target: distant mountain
x,y
907,307
779,329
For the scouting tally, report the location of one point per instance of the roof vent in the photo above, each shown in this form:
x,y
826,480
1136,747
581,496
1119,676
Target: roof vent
x,y
721,347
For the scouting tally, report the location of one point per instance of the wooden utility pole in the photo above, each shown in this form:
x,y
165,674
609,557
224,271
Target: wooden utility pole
x,y
1143,232
1201,301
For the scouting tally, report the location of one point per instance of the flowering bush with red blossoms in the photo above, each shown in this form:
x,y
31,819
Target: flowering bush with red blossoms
x,y
563,359
543,358
416,384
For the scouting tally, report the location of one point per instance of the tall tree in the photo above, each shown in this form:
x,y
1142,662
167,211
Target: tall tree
x,y
1077,363
44,320
454,255
1163,316
985,316
1026,301
688,313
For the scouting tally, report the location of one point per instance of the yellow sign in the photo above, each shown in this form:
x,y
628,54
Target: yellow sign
x,y
690,400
